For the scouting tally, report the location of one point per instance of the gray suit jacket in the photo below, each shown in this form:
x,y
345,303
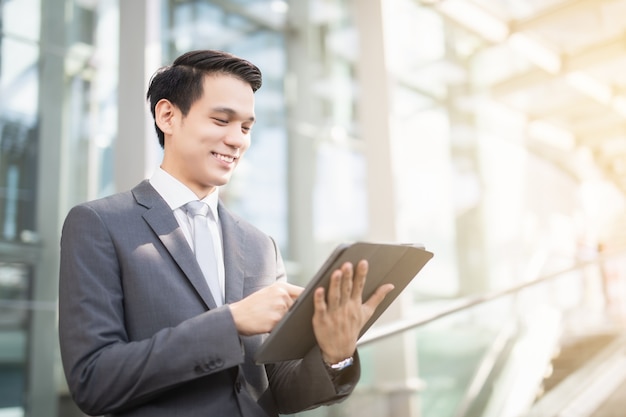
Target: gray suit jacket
x,y
140,333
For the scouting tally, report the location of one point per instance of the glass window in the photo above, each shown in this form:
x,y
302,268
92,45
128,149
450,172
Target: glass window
x,y
15,25
14,318
340,176
91,88
19,60
258,189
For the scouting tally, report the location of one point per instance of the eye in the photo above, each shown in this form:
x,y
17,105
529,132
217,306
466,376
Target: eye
x,y
246,129
221,121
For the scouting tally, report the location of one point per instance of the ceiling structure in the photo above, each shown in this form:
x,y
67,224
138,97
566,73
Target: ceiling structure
x,y
573,90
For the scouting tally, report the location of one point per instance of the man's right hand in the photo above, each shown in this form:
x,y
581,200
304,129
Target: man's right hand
x,y
260,311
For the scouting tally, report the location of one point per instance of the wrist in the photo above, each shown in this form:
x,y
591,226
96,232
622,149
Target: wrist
x,y
340,365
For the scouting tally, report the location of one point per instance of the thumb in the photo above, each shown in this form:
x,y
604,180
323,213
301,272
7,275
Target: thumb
x,y
379,295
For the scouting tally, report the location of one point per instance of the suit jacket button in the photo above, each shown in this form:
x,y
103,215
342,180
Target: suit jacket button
x,y
238,387
219,363
198,369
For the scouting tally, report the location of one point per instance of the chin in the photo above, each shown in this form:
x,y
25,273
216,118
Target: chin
x,y
218,182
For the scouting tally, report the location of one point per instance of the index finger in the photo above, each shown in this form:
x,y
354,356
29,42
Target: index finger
x,y
294,291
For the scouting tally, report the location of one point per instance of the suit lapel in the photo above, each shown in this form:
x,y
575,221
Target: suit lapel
x,y
161,220
234,242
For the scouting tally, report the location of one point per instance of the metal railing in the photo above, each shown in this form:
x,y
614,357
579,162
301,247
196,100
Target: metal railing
x,y
402,325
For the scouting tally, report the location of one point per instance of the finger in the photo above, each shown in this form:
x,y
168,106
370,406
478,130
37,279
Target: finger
x,y
334,289
346,281
294,291
379,295
288,303
318,301
359,279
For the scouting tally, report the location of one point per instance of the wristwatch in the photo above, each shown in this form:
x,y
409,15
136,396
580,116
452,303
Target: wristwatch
x,y
339,366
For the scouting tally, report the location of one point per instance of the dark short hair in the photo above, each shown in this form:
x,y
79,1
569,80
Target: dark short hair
x,y
182,83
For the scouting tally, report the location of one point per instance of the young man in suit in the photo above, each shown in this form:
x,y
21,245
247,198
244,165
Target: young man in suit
x,y
141,333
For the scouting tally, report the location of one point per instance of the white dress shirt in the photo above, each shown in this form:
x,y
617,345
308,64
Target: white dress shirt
x,y
176,195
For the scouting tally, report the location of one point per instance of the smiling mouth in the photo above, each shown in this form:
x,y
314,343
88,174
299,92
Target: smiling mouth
x,y
225,158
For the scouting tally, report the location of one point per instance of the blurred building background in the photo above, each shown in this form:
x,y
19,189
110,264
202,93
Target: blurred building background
x,y
491,131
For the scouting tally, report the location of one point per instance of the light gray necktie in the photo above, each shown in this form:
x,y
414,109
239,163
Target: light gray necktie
x,y
203,247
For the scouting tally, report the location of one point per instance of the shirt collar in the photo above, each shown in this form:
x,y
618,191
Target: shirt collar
x,y
176,194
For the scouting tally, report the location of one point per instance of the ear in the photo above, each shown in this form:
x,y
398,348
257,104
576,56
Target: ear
x,y
164,113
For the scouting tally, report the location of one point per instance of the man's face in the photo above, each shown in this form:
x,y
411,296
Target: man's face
x,y
203,148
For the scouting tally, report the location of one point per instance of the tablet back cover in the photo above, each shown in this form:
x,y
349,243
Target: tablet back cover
x,y
293,336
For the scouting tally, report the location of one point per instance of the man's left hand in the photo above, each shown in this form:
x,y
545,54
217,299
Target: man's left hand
x,y
339,318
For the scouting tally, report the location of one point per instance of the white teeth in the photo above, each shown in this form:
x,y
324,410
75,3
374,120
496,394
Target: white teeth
x,y
224,158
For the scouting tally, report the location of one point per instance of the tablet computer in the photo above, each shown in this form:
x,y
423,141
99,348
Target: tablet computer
x,y
398,264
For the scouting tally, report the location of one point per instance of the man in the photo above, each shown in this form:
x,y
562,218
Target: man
x,y
142,333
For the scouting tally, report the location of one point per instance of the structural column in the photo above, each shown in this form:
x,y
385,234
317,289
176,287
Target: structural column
x,y
41,400
136,147
303,113
394,360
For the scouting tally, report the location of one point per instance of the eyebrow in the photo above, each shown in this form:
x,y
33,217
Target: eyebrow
x,y
231,112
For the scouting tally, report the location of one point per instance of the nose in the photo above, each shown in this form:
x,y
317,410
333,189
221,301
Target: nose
x,y
236,138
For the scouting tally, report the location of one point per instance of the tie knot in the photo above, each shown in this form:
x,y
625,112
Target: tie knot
x,y
197,207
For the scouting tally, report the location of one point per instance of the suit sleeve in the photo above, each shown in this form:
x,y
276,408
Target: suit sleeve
x,y
106,371
305,384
